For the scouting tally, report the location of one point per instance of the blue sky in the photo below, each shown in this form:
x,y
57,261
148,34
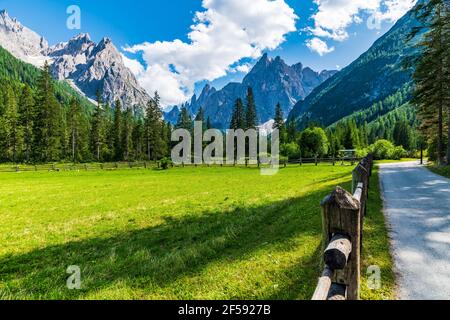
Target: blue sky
x,y
342,26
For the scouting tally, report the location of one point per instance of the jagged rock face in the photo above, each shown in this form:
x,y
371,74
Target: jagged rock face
x,y
88,66
20,41
173,115
97,67
272,81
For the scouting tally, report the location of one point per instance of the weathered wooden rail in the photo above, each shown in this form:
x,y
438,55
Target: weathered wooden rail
x,y
79,167
343,218
317,160
157,164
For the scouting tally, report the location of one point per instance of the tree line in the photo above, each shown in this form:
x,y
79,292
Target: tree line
x,y
37,128
431,95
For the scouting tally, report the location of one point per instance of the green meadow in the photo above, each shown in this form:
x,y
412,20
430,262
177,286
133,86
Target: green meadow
x,y
184,233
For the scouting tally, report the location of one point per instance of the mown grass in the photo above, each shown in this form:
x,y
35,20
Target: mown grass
x,y
396,161
186,233
376,246
443,171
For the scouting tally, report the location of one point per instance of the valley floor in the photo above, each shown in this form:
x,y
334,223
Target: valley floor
x,y
185,233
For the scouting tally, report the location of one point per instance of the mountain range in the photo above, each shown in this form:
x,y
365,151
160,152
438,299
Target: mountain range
x,y
87,66
272,81
373,78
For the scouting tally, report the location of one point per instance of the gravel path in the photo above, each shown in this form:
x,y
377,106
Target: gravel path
x,y
417,206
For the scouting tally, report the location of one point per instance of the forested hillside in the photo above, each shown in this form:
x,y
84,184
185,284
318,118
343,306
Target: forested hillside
x,y
366,85
17,73
42,120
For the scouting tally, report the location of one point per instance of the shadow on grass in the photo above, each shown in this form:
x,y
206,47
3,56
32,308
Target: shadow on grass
x,y
152,259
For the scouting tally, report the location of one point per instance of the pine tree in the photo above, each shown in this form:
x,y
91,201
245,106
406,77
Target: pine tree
x,y
138,139
208,124
251,118
291,131
280,124
153,128
200,115
77,137
184,120
127,134
12,127
47,130
238,120
402,135
432,75
98,130
116,132
27,112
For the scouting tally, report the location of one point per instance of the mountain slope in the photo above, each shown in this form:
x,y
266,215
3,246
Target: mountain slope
x,y
14,70
374,76
97,67
272,81
20,41
89,67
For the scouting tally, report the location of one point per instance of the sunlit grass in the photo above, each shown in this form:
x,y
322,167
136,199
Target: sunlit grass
x,y
376,246
443,171
185,233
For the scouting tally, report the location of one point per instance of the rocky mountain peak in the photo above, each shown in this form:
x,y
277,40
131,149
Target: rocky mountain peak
x,y
272,81
20,41
86,65
79,45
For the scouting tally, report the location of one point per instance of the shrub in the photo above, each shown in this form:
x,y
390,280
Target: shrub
x,y
314,142
385,150
382,149
166,163
397,153
291,150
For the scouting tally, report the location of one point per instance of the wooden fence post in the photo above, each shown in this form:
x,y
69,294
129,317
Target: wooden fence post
x,y
315,159
341,216
361,175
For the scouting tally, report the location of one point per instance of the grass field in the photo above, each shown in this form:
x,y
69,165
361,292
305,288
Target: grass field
x,y
396,161
185,233
443,171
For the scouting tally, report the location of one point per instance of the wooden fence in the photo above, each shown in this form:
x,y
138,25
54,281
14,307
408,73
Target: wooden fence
x,y
149,165
318,160
343,218
80,167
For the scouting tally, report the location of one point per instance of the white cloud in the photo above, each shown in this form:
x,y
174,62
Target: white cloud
x,y
223,34
133,65
243,68
395,9
335,16
319,46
